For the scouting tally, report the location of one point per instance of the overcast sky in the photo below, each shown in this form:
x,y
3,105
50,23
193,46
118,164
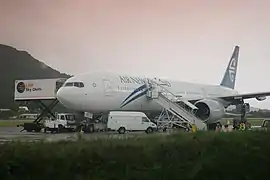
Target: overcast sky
x,y
185,40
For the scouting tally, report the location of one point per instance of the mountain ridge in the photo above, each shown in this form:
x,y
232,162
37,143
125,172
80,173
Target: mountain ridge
x,y
19,65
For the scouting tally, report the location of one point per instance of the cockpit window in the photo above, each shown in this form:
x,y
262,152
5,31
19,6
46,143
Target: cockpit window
x,y
74,84
81,84
69,84
78,84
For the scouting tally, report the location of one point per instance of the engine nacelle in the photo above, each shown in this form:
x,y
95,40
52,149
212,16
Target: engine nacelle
x,y
210,111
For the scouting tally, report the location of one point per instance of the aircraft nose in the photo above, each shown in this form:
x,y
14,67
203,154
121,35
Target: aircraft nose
x,y
70,98
63,97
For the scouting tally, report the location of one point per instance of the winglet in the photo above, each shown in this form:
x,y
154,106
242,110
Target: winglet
x,y
231,71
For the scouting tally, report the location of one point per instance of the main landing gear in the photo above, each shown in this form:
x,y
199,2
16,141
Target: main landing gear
x,y
244,108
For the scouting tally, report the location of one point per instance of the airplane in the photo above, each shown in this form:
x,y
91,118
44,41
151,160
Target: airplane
x,y
101,92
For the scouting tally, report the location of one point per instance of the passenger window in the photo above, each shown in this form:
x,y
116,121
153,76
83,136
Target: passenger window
x,y
62,117
144,119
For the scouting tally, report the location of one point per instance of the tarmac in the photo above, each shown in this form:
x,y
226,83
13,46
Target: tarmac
x,y
14,133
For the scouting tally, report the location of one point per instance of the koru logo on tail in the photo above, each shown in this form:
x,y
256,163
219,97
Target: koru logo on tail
x,y
232,69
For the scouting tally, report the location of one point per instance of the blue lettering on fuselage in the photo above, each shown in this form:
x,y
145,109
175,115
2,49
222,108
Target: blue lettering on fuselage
x,y
137,80
130,80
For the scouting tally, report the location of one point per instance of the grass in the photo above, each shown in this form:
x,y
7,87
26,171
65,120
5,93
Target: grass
x,y
12,123
252,121
189,156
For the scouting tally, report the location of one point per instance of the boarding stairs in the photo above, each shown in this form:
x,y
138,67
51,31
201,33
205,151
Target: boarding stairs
x,y
182,111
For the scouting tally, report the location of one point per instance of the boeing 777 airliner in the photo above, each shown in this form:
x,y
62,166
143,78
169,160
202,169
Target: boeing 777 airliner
x,y
104,92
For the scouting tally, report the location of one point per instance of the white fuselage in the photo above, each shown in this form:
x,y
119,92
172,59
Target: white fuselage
x,y
103,92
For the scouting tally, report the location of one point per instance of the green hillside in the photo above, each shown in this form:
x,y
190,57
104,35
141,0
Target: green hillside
x,y
15,64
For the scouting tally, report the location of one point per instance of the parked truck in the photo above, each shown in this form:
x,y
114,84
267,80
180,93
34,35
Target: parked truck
x,y
63,122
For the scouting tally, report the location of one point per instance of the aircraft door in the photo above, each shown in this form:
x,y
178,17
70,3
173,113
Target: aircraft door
x,y
108,89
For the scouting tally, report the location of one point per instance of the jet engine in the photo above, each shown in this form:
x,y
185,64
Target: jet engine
x,y
209,111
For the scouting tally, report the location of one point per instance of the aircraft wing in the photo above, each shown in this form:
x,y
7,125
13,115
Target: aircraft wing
x,y
246,96
259,96
236,115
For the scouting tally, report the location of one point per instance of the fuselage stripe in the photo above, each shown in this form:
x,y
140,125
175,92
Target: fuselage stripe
x,y
134,92
135,97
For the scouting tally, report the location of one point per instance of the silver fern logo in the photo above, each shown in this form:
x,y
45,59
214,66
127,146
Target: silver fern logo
x,y
232,69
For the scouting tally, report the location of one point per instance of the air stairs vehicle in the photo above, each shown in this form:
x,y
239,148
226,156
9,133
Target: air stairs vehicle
x,y
182,111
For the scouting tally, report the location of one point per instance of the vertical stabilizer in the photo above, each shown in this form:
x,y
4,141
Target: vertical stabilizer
x,y
231,71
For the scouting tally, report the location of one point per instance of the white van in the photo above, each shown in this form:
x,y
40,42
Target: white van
x,y
123,121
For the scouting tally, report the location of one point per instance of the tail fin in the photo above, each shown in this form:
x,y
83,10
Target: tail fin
x,y
230,74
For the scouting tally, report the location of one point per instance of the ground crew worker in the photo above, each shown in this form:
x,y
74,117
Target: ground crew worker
x,y
193,128
242,126
218,127
226,128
